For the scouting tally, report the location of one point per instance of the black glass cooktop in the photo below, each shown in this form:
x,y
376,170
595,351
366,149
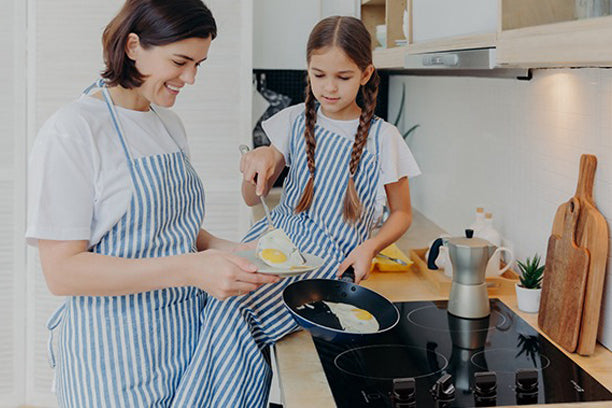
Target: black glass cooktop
x,y
434,359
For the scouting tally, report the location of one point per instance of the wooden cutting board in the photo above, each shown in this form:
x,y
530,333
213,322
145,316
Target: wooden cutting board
x,y
592,234
563,286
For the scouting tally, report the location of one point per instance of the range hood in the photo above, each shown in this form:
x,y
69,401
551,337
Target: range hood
x,y
480,62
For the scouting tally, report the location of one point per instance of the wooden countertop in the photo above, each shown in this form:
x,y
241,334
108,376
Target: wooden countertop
x,y
301,377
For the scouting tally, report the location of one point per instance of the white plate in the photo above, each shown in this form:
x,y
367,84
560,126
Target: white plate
x,y
312,262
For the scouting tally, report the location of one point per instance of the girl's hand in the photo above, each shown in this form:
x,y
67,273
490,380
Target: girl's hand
x,y
222,274
260,166
361,260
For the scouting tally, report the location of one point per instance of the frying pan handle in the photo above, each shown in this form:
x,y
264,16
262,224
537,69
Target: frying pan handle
x,y
348,275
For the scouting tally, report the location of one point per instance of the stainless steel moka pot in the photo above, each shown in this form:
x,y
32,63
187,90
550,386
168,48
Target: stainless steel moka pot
x,y
469,257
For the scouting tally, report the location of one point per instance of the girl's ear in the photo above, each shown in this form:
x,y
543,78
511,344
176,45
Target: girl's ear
x,y
132,46
367,74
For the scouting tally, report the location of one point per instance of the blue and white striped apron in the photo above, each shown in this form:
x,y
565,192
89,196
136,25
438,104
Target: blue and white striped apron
x,y
133,350
229,369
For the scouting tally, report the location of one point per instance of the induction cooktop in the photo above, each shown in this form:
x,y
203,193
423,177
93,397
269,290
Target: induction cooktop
x,y
434,359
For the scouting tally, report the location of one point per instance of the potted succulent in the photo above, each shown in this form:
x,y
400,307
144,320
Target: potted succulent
x,y
529,288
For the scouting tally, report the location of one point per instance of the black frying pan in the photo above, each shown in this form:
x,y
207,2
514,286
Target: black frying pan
x,y
318,319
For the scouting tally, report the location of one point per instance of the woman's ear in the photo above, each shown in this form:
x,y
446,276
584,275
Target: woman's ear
x,y
367,74
132,46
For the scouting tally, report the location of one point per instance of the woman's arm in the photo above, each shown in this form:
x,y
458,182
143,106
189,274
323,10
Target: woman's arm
x,y
400,218
70,270
260,168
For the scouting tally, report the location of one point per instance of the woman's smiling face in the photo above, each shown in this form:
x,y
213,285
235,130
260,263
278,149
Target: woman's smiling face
x,y
335,80
167,68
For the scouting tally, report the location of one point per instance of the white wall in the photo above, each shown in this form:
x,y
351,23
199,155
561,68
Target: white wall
x,y
510,146
52,51
12,251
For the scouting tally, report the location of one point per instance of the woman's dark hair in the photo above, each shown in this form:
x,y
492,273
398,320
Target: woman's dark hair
x,y
156,22
351,36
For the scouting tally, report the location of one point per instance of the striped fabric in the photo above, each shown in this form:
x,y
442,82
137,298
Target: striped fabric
x,y
230,369
133,351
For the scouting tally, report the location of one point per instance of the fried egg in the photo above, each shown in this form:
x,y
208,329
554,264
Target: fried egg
x,y
354,319
276,250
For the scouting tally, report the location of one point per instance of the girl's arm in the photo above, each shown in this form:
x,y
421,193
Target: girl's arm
x,y
70,270
206,240
400,218
260,168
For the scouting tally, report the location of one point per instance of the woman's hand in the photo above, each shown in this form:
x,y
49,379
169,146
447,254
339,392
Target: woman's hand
x,y
361,260
222,274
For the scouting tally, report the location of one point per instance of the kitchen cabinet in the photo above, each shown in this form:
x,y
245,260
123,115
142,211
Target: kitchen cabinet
x,y
544,41
528,34
281,29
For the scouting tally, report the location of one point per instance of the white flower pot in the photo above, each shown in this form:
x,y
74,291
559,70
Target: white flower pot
x,y
528,299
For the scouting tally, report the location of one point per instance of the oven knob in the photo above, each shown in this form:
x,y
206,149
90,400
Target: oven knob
x,y
444,390
526,386
404,393
485,388
485,384
527,380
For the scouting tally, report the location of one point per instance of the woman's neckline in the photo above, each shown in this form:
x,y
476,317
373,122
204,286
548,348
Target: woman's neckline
x,y
99,98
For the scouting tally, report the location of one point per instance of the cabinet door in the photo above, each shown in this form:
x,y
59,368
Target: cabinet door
x,y
434,19
340,8
281,29
280,32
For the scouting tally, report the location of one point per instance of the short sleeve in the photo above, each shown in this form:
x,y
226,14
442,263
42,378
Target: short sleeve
x,y
278,129
397,160
60,186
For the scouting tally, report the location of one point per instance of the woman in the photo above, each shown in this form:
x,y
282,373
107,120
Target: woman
x,y
116,208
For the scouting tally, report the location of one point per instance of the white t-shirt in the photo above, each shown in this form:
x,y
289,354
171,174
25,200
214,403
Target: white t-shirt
x,y
396,159
79,183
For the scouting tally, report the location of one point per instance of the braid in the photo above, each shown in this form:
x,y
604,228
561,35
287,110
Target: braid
x,y
352,205
311,119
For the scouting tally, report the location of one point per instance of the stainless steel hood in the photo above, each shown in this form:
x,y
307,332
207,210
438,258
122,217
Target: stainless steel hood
x,y
481,62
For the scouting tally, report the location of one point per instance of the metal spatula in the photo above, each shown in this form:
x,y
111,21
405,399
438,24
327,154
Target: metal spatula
x,y
243,150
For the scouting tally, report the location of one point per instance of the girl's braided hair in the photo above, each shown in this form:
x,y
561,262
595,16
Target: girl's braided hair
x,y
350,35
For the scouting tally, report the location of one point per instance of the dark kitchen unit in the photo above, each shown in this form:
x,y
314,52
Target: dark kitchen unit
x,y
434,359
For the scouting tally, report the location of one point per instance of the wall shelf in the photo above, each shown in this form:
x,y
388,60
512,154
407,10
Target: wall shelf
x,y
530,34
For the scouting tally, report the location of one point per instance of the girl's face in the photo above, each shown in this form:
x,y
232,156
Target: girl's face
x,y
335,80
167,68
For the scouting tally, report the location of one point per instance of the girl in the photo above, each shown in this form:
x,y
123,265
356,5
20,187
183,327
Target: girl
x,y
344,163
115,209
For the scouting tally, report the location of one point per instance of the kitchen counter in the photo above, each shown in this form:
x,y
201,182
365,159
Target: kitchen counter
x,y
301,376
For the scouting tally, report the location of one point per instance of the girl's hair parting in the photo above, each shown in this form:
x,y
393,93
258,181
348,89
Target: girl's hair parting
x,y
350,35
156,22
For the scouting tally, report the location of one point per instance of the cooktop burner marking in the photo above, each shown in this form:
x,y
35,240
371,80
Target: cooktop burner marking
x,y
389,361
509,360
430,317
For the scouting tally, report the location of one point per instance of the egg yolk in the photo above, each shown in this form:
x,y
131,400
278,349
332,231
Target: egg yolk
x,y
273,255
362,314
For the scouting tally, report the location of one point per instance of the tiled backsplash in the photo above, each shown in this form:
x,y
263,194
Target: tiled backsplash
x,y
511,146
